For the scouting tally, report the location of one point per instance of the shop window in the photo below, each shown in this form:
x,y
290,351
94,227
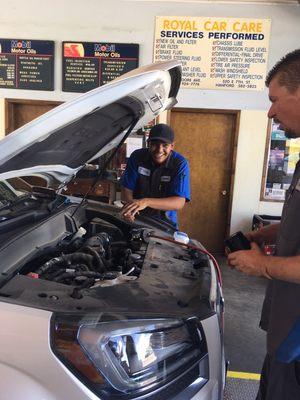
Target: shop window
x,y
281,157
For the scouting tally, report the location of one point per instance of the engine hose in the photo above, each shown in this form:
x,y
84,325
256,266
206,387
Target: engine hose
x,y
65,260
119,243
100,266
54,262
193,247
62,270
88,274
108,253
72,275
76,293
107,262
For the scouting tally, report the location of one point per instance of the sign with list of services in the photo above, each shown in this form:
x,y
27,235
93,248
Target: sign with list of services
x,y
26,64
87,65
215,52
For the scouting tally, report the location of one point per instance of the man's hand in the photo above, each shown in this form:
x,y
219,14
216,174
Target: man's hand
x,y
252,262
132,208
266,235
255,236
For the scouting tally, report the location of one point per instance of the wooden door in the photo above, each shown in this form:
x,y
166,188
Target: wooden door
x,y
208,140
19,112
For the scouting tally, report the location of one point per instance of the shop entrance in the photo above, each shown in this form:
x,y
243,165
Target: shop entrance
x,y
207,138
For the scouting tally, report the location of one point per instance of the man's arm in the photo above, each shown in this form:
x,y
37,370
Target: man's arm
x,y
167,203
164,204
255,262
285,268
266,235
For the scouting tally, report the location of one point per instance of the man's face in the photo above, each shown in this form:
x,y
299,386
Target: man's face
x,y
285,108
160,151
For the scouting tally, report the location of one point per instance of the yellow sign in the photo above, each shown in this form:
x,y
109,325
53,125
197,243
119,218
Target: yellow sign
x,y
216,53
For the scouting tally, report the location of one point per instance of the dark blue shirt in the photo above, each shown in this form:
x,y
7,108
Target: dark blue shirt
x,y
173,178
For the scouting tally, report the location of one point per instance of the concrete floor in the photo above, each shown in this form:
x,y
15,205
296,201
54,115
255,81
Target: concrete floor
x,y
240,389
244,340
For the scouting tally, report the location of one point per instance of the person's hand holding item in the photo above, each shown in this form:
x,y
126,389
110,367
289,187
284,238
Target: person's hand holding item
x,y
264,235
251,262
255,236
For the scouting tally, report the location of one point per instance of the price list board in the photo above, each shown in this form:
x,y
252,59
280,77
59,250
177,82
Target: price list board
x,y
215,52
27,64
87,65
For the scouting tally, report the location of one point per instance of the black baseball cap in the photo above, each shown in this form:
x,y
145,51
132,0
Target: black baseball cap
x,y
161,132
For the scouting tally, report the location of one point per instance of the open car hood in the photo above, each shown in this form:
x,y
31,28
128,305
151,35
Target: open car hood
x,y
61,142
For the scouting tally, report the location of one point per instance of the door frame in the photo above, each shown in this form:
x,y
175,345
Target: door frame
x,y
234,143
9,106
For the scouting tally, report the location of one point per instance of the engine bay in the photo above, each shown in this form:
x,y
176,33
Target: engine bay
x,y
90,254
69,250
98,254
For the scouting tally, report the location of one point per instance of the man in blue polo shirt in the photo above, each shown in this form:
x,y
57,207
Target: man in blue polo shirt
x,y
156,181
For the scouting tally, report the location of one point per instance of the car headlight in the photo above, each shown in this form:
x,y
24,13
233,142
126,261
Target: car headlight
x,y
129,356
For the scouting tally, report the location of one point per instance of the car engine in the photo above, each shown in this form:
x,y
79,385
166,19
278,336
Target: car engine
x,y
97,254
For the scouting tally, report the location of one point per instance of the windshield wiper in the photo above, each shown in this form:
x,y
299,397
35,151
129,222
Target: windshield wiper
x,y
8,204
6,192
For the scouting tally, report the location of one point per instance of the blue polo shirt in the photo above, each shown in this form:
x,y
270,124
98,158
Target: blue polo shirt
x,y
174,174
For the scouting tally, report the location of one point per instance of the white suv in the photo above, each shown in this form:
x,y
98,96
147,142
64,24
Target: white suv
x,y
92,306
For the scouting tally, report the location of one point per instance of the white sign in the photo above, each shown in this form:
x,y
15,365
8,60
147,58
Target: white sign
x,y
132,144
216,53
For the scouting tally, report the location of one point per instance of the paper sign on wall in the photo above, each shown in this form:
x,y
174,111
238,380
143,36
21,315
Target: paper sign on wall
x,y
216,53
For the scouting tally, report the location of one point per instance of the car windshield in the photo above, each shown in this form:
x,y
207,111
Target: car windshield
x,y
10,190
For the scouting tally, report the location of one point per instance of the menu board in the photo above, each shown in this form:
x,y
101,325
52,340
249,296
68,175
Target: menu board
x,y
87,65
26,64
215,52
